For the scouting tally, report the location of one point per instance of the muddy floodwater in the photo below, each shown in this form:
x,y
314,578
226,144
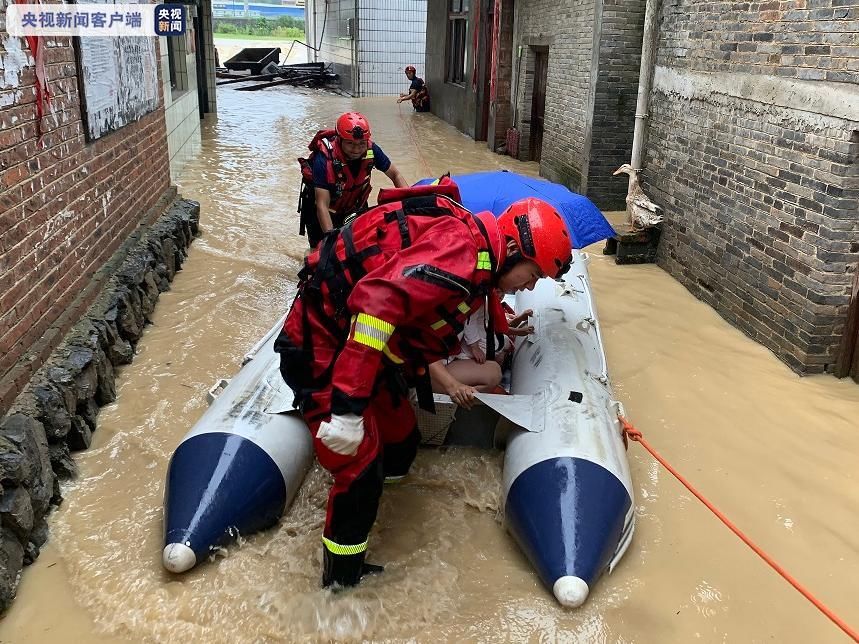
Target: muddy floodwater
x,y
778,453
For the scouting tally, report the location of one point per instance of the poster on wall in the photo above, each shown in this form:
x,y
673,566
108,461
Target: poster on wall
x,y
119,81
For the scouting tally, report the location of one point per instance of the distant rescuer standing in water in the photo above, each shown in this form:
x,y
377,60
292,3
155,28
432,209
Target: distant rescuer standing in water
x,y
418,92
335,179
378,301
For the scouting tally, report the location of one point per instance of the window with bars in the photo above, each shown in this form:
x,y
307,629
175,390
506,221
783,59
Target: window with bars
x,y
455,51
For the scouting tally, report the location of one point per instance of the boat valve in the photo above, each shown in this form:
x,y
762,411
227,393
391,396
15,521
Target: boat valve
x,y
216,390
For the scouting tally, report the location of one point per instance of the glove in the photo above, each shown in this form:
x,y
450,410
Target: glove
x,y
342,434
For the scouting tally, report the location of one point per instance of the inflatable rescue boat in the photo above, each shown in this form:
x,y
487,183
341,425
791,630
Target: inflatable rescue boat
x,y
567,489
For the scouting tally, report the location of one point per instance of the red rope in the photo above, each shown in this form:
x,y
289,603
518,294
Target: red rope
x,y
410,130
630,431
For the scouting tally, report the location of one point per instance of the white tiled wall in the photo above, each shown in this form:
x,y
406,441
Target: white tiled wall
x,y
391,35
336,45
181,114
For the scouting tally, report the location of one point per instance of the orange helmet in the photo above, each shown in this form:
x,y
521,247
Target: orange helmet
x,y
411,68
353,126
541,234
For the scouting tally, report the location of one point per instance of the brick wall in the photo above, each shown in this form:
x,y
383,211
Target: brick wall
x,y
805,39
758,167
65,205
567,27
590,100
622,26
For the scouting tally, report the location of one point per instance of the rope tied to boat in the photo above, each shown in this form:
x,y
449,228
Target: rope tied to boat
x,y
630,432
410,130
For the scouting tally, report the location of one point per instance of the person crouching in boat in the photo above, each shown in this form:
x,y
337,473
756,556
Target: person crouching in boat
x,y
472,369
418,91
378,301
335,178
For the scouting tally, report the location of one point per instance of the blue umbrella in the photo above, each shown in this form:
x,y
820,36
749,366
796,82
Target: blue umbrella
x,y
494,191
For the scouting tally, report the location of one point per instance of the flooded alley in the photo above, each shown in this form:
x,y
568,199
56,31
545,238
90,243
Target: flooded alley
x,y
777,453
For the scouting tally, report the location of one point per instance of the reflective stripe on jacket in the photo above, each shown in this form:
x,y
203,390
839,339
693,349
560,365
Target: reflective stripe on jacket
x,y
395,286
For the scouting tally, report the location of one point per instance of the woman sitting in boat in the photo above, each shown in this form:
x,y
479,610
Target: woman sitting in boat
x,y
378,301
474,366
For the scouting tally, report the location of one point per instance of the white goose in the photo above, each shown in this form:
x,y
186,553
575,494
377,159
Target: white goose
x,y
642,212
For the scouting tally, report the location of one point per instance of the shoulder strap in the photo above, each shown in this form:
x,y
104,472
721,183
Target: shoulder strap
x,y
444,187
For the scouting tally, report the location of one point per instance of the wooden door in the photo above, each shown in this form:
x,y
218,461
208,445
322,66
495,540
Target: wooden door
x,y
538,101
848,358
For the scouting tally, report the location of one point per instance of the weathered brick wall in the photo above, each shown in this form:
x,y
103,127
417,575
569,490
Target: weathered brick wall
x,y
590,100
65,205
758,167
805,39
614,100
566,26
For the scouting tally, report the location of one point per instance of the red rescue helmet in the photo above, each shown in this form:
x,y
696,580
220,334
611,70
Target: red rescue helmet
x,y
411,68
541,234
353,126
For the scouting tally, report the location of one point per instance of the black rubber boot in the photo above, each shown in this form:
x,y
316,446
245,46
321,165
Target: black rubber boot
x,y
344,571
371,569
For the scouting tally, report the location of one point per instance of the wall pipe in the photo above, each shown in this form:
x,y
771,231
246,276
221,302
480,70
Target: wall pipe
x,y
649,45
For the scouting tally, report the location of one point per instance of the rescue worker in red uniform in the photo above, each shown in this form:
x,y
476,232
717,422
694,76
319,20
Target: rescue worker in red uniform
x,y
335,179
418,91
379,300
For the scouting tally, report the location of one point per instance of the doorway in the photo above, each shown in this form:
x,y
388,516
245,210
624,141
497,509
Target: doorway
x,y
848,359
200,58
538,101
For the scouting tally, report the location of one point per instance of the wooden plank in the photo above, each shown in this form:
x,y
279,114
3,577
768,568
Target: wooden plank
x,y
242,79
295,80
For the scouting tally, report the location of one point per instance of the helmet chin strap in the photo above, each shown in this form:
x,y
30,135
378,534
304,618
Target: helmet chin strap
x,y
514,256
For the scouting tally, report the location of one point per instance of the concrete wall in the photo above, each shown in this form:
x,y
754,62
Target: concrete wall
x,y
753,150
65,205
455,103
391,35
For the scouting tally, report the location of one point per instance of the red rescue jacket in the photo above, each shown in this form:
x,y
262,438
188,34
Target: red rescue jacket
x,y
392,288
421,97
350,191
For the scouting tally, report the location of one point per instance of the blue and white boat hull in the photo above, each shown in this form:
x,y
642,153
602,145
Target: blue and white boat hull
x,y
567,488
239,467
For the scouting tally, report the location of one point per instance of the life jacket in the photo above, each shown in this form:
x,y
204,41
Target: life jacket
x,y
350,191
369,242
421,97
